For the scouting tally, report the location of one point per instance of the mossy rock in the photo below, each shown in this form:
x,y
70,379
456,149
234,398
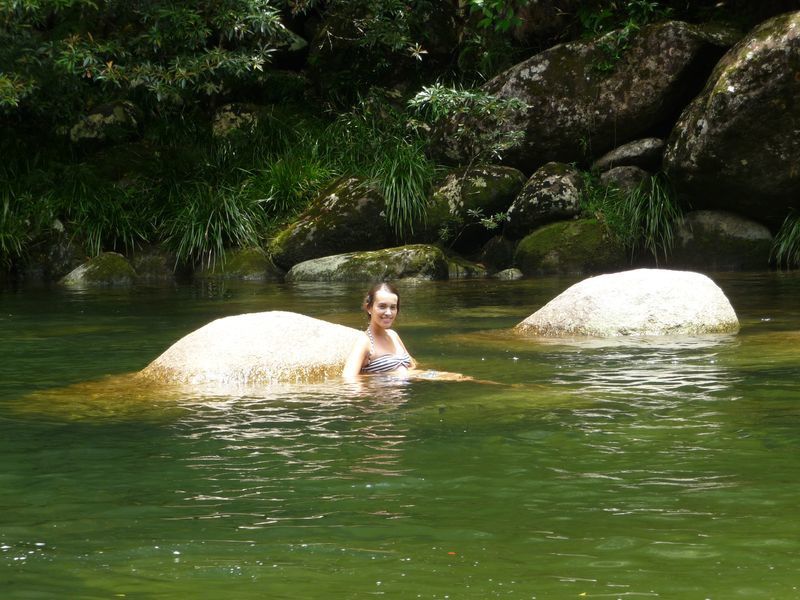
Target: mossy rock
x,y
348,216
487,190
498,253
112,122
461,268
568,247
154,264
415,261
721,241
104,270
248,264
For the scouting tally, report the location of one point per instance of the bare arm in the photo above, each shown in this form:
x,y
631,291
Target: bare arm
x,y
358,355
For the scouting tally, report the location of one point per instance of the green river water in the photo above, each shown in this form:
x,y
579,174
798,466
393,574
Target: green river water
x,y
622,469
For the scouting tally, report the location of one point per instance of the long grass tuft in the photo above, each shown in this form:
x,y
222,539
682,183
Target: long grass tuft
x,y
644,219
208,220
786,245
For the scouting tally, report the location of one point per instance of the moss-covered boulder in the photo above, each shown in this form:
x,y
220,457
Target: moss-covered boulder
x,y
498,253
461,268
625,178
736,146
256,349
415,261
341,65
248,264
236,119
581,246
104,270
553,193
578,97
154,264
645,154
52,255
719,241
108,123
346,217
464,197
641,302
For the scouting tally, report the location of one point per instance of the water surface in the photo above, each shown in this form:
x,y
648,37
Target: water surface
x,y
621,469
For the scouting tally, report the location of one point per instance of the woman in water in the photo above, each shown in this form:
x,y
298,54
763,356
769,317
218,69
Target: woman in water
x,y
380,349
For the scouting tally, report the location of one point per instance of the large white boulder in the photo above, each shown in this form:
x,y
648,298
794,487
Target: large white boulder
x,y
636,303
256,348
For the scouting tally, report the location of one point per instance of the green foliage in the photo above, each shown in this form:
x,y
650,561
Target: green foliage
x,y
617,22
435,103
403,176
167,51
374,141
499,15
644,219
455,227
13,229
102,215
786,245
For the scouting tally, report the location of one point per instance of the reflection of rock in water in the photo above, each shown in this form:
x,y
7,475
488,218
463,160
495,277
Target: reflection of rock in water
x,y
131,397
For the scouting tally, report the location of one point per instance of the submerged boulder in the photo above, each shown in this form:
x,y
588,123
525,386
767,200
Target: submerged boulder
x,y
642,302
736,145
256,348
104,270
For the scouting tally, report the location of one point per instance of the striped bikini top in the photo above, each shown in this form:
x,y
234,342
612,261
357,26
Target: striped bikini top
x,y
385,363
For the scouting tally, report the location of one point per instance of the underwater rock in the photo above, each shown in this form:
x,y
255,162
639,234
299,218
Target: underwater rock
x,y
256,348
641,302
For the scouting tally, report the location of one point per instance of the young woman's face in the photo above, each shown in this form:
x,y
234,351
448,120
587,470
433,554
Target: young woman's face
x,y
384,309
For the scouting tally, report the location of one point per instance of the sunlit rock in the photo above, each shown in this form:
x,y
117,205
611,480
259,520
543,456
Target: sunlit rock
x,y
415,261
112,122
248,264
642,302
256,348
463,198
